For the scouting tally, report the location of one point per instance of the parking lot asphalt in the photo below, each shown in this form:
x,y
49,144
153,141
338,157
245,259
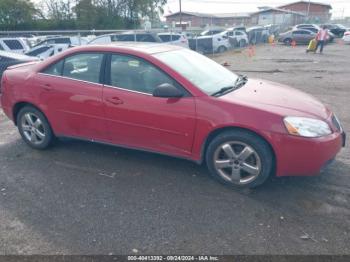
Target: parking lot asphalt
x,y
84,198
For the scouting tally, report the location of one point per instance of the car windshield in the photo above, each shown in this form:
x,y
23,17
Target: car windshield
x,y
201,71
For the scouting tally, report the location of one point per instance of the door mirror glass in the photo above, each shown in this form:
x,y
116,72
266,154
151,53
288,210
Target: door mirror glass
x,y
167,91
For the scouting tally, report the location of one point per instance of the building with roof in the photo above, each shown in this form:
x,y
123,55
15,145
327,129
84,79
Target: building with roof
x,y
277,16
194,19
315,12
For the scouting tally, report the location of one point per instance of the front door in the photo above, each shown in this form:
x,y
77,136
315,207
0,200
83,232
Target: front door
x,y
137,119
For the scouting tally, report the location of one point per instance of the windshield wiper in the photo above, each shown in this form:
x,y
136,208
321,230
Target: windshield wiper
x,y
240,81
223,90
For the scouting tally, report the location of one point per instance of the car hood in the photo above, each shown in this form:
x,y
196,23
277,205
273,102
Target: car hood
x,y
277,98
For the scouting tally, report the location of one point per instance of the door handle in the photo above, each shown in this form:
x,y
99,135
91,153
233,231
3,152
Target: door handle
x,y
115,100
47,87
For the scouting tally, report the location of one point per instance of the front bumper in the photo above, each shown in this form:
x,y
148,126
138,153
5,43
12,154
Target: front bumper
x,y
298,156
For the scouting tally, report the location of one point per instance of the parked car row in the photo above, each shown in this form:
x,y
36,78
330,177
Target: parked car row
x,y
212,40
45,47
219,40
303,33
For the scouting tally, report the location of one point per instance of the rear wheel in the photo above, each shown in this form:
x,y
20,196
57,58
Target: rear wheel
x,y
34,128
240,159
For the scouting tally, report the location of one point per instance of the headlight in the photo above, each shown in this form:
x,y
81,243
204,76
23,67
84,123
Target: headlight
x,y
306,127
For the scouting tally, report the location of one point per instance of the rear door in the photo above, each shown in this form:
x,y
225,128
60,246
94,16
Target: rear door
x,y
137,119
72,96
298,36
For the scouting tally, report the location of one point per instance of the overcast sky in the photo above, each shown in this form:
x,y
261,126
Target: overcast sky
x,y
340,7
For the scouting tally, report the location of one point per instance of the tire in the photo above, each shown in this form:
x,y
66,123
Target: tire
x,y
34,128
287,41
241,170
222,49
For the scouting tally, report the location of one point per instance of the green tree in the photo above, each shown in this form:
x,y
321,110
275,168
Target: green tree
x,y
16,14
86,14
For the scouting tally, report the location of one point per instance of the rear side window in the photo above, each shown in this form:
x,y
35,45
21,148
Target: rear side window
x,y
84,67
297,32
145,38
38,51
14,44
169,38
62,41
135,74
55,69
124,38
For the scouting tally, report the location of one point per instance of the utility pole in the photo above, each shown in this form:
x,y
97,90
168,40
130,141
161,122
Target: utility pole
x,y
308,10
180,15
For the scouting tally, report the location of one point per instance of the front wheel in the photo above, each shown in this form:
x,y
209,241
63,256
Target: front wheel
x,y
240,158
34,128
222,49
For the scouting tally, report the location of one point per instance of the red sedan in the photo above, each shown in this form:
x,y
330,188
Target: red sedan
x,y
172,101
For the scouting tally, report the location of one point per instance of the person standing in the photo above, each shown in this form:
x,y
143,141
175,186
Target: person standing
x,y
321,38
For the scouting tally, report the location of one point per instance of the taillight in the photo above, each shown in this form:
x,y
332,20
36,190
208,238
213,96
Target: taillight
x,y
347,33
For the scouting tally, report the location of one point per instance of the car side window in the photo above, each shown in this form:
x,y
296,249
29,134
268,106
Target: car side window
x,y
86,67
13,44
55,69
145,38
1,48
135,74
38,51
126,38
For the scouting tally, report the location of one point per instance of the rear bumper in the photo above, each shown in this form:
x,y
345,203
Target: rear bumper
x,y
5,107
298,156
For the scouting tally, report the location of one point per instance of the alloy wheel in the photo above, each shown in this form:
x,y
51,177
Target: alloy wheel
x,y
237,162
33,128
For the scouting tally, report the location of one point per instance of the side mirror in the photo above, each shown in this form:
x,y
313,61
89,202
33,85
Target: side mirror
x,y
167,91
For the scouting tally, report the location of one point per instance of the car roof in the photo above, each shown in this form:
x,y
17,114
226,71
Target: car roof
x,y
170,33
142,47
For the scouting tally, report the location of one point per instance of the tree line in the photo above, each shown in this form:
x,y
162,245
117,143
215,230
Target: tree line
x,y
77,14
